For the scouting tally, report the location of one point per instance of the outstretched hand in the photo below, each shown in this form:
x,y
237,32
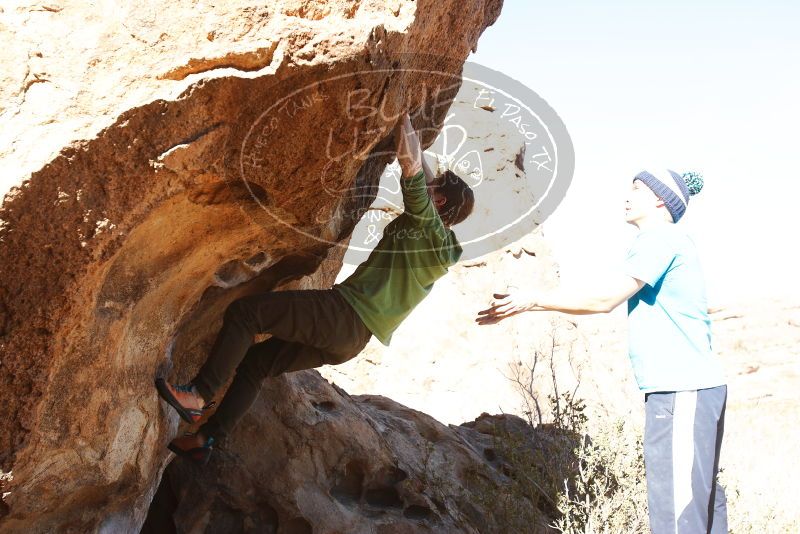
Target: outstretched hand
x,y
409,152
505,305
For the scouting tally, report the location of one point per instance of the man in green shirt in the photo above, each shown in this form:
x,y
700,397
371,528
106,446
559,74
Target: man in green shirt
x,y
311,328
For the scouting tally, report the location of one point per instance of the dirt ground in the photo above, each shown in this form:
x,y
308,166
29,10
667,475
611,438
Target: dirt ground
x,y
760,345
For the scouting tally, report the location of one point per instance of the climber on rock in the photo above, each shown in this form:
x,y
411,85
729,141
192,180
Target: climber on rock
x,y
311,328
669,332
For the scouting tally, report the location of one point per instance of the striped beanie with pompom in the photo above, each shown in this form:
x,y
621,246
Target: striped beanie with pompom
x,y
673,188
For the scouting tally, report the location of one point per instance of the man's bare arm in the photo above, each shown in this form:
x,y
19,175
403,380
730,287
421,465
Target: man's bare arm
x,y
611,293
614,291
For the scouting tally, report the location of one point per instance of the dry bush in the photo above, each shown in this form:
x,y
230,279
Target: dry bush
x,y
579,483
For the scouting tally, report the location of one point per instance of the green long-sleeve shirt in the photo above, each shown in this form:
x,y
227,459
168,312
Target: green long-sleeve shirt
x,y
416,250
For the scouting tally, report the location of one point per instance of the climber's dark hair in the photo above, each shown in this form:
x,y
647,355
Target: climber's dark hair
x,y
459,198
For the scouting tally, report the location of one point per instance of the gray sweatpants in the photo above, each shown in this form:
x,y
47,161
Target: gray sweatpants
x,y
682,439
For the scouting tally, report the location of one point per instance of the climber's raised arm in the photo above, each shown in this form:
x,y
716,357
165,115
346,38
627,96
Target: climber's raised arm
x,y
409,151
429,174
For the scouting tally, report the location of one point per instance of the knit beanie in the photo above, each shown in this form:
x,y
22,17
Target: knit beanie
x,y
673,188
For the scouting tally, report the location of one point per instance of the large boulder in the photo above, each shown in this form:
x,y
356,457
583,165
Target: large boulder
x,y
308,457
156,166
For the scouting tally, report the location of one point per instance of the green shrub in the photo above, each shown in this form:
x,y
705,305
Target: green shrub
x,y
579,481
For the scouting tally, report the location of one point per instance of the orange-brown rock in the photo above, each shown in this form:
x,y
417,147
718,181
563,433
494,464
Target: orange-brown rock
x,y
147,185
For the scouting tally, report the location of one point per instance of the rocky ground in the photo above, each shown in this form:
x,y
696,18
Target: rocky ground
x,y
760,344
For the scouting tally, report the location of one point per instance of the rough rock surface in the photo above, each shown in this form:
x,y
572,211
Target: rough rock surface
x,y
309,458
145,190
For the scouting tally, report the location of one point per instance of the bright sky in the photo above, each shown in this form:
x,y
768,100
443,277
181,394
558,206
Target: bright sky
x,y
707,86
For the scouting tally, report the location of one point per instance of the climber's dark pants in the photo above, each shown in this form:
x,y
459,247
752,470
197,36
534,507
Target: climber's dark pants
x,y
309,328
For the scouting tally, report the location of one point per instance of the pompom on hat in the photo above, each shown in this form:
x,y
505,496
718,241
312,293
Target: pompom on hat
x,y
673,188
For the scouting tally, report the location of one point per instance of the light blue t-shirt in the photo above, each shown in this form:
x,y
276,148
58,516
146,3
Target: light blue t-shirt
x,y
668,326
